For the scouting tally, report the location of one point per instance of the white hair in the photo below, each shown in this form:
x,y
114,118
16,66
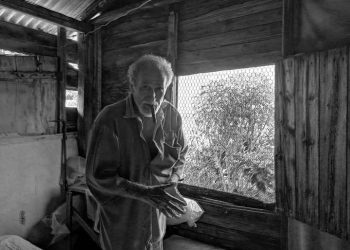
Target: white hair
x,y
160,63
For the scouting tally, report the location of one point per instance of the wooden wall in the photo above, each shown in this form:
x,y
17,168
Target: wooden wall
x,y
312,140
125,41
226,34
28,89
30,168
313,25
232,221
212,35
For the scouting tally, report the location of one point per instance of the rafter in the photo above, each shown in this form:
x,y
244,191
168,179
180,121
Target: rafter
x,y
22,39
102,6
46,14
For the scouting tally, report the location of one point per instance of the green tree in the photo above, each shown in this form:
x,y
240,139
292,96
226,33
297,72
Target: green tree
x,y
232,147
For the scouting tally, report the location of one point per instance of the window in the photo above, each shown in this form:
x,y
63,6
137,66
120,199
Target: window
x,y
71,98
228,120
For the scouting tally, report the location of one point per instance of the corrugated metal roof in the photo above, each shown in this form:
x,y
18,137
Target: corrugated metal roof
x,y
71,8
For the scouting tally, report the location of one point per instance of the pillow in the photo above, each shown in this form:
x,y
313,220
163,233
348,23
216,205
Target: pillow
x,y
193,210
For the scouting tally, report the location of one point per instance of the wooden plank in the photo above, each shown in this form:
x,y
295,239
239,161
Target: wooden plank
x,y
17,75
341,78
230,198
90,74
230,63
150,19
228,239
256,222
8,91
46,63
125,41
291,10
333,96
172,53
234,11
289,135
121,57
251,34
35,107
62,77
116,14
233,21
97,74
279,153
325,93
26,63
46,14
301,140
25,40
313,138
245,49
193,9
82,55
48,108
7,63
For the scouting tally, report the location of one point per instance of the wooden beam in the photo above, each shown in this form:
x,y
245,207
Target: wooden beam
x,y
173,22
62,76
46,14
82,55
233,198
89,85
291,22
130,9
17,38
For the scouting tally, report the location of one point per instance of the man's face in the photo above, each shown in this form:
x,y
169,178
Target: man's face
x,y
149,88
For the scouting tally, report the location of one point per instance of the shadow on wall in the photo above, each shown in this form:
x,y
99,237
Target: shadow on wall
x,y
304,237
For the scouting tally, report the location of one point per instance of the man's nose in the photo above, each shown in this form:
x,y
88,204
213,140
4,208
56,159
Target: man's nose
x,y
153,94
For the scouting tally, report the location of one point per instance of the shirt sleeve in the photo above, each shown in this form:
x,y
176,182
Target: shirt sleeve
x,y
102,164
181,141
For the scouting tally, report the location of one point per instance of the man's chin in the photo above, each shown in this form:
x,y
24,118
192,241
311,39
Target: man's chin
x,y
145,113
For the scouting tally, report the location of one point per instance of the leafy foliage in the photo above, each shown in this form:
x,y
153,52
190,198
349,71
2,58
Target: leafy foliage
x,y
231,147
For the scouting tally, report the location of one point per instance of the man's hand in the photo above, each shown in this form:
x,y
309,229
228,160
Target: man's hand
x,y
157,197
174,178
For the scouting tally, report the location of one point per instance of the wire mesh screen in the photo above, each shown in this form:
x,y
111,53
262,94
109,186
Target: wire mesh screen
x,y
228,121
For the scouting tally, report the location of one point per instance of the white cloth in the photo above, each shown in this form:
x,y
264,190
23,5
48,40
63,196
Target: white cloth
x,y
14,242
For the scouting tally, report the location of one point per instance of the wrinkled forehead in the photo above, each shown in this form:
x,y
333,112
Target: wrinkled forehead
x,y
150,71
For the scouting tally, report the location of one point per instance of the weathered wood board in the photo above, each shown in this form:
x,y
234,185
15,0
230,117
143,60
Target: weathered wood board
x,y
212,36
226,35
312,25
28,90
315,188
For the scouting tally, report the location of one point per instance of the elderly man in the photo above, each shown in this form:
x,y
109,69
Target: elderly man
x,y
133,158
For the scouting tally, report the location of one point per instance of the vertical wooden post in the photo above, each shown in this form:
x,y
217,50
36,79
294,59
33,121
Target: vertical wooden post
x,y
62,77
291,29
171,94
97,73
81,89
89,85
